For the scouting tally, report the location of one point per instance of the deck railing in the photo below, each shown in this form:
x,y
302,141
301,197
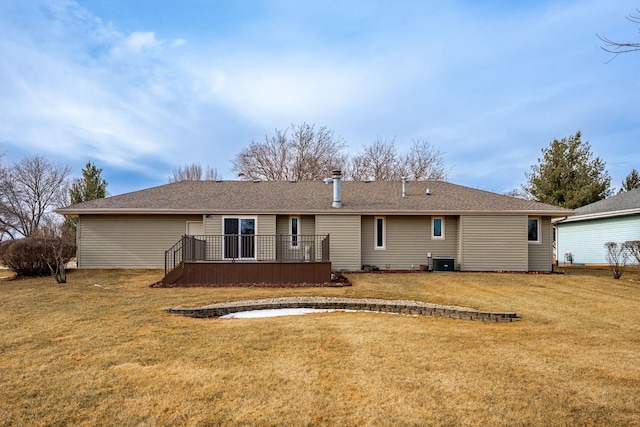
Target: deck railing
x,y
234,247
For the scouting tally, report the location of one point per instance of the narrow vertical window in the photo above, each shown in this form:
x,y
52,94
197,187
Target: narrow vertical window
x,y
294,230
533,231
437,228
379,233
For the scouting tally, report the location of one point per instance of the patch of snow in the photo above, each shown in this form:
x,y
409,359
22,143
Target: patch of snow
x,y
277,312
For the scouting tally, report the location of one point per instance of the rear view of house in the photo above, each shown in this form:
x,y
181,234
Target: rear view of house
x,y
389,225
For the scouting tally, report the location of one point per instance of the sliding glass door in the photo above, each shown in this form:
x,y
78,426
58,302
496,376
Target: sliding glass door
x,y
239,238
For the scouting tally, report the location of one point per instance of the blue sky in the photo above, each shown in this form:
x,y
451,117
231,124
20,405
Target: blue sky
x,y
139,87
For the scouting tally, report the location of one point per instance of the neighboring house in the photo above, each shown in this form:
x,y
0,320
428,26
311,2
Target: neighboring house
x,y
581,238
390,225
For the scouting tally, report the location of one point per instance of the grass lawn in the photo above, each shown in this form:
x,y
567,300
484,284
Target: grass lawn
x,y
100,350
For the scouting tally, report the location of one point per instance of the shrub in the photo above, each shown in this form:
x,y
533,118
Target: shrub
x,y
633,247
37,256
617,255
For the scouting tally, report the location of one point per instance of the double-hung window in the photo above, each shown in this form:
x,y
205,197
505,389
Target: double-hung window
x,y
379,233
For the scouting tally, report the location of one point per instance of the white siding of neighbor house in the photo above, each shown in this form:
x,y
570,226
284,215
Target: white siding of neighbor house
x,y
128,241
585,240
494,243
541,254
407,242
344,240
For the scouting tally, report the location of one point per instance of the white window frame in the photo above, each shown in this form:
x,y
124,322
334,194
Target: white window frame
x,y
538,230
294,243
255,235
375,233
433,228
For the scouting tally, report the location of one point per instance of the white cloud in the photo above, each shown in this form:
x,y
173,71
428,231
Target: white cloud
x,y
473,79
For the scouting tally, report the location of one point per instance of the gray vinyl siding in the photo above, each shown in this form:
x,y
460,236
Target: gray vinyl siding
x,y
212,225
494,243
307,224
265,225
541,254
459,258
407,242
345,242
585,240
128,241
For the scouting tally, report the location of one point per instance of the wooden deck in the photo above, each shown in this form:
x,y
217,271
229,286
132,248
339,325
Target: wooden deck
x,y
216,273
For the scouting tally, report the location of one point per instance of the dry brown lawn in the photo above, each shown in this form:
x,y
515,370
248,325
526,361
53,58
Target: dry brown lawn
x,y
82,354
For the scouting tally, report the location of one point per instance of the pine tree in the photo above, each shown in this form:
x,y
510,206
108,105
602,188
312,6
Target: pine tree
x,y
90,187
568,175
631,182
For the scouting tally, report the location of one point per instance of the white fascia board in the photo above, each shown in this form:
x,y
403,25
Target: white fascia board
x,y
600,215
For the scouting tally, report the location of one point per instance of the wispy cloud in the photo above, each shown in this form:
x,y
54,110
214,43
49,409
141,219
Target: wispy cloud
x,y
489,83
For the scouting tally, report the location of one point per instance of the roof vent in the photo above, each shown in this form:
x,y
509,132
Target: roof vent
x,y
428,192
255,181
337,174
328,181
404,186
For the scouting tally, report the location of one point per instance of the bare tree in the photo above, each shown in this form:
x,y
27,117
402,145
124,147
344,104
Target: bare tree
x,y
633,247
300,153
617,47
194,172
517,193
423,162
617,255
316,152
29,191
381,162
378,161
58,247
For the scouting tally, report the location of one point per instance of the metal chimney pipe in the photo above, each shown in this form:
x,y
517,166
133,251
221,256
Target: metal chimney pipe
x,y
404,186
337,174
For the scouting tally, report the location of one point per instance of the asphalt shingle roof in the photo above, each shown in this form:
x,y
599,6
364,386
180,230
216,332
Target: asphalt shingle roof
x,y
620,202
284,197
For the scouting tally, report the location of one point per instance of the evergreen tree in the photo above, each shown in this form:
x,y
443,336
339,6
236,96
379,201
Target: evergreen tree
x,y
568,175
90,187
632,181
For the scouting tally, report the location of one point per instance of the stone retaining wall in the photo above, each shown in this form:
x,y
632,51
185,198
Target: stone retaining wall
x,y
376,305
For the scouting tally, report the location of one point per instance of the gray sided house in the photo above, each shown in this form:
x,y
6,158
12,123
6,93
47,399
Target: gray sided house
x,y
389,225
581,238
